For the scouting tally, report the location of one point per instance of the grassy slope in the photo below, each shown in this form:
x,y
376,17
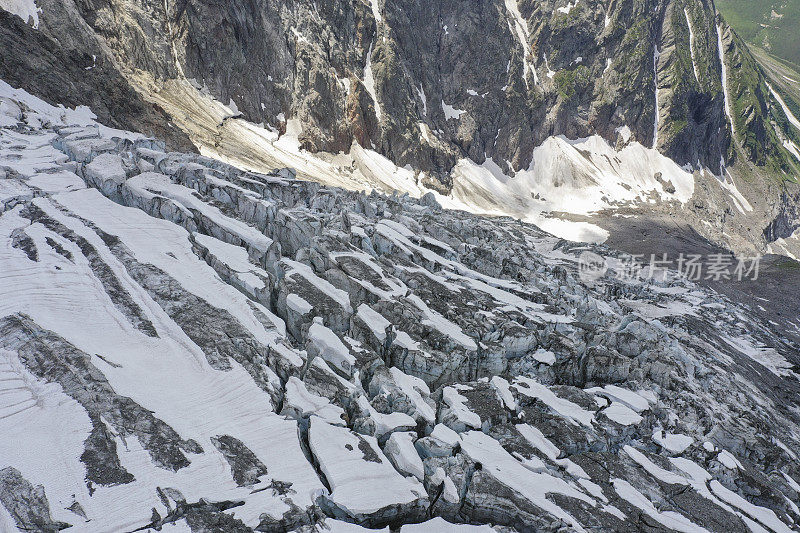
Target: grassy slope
x,y
775,45
753,20
784,77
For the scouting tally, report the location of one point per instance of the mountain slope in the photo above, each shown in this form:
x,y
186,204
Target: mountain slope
x,y
461,98
768,25
186,346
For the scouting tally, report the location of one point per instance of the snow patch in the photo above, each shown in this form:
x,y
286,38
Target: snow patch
x,y
565,408
656,56
24,9
423,99
376,11
579,176
788,112
303,403
631,399
330,347
691,43
451,112
360,486
622,414
672,442
369,83
739,201
520,30
458,407
761,514
726,94
569,7
534,486
440,525
669,519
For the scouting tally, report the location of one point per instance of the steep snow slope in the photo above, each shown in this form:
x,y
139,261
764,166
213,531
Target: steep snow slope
x,y
186,346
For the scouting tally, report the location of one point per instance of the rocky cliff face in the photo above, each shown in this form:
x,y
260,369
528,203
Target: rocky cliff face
x,y
520,71
184,344
430,84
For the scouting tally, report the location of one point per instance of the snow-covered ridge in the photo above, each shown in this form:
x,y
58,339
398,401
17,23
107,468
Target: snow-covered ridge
x,y
186,346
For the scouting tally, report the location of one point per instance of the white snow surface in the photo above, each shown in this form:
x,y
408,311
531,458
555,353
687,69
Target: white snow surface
x,y
44,430
510,472
569,7
691,43
570,411
457,404
414,389
378,324
330,347
24,9
653,469
725,90
168,375
672,442
376,10
622,414
445,435
361,486
401,451
503,389
670,519
369,78
629,398
338,526
450,112
440,525
657,119
793,120
561,178
305,403
790,145
761,514
728,460
434,525
521,32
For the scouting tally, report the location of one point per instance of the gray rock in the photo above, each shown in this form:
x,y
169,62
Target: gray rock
x,y
26,503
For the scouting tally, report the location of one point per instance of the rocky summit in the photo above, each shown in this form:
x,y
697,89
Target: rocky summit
x,y
188,346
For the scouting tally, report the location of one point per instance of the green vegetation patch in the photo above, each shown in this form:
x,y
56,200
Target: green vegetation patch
x,y
571,82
